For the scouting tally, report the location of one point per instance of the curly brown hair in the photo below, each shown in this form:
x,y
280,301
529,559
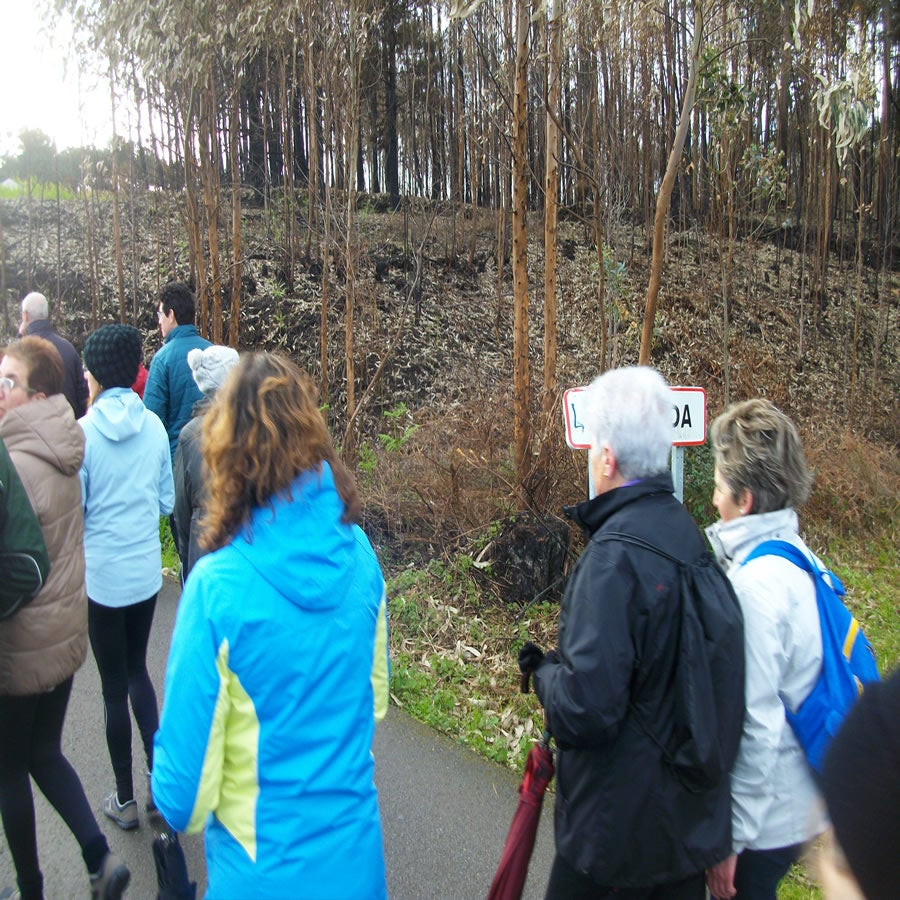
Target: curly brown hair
x,y
262,430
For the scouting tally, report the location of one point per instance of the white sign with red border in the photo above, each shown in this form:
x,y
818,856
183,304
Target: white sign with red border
x,y
688,417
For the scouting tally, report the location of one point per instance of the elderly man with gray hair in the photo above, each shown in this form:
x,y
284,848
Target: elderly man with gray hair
x,y
209,367
627,825
36,322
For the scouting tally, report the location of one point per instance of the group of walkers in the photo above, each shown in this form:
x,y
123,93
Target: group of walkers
x,y
278,666
271,704
627,824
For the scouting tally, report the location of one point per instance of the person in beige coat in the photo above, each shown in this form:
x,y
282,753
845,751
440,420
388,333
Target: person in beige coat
x,y
45,642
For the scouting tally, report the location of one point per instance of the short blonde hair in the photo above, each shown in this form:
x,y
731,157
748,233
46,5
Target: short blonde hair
x,y
758,449
263,429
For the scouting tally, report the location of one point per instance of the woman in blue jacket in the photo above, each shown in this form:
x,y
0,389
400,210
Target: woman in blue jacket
x,y
126,481
278,667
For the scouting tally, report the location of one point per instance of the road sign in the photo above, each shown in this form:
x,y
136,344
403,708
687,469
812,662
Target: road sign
x,y
688,415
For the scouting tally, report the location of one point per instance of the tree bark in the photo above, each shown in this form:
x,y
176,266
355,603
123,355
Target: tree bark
x,y
665,190
234,319
551,190
521,376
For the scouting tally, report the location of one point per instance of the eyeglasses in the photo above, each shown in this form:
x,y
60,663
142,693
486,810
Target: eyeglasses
x,y
7,384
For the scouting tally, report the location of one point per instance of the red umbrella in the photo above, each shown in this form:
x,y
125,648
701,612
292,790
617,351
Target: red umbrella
x,y
512,871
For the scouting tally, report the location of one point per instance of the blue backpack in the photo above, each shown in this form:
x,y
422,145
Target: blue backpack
x,y
848,663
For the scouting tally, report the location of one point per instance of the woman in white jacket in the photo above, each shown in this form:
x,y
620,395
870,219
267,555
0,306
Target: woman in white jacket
x,y
127,485
761,477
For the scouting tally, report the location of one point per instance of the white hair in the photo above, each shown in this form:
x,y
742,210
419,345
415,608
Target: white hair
x,y
630,411
36,306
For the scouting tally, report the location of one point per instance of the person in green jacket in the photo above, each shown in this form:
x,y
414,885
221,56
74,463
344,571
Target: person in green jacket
x,y
24,562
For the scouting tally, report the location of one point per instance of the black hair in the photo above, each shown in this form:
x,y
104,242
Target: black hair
x,y
178,297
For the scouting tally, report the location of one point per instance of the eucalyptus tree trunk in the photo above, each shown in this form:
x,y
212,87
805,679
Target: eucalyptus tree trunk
x,y
521,376
665,190
89,241
237,263
457,173
117,228
209,176
551,191
287,104
313,186
886,161
351,138
195,237
599,243
391,108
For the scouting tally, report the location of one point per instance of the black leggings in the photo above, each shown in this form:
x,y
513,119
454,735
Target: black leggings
x,y
119,638
30,744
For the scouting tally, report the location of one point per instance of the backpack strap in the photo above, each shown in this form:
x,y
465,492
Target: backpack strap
x,y
794,554
638,542
625,538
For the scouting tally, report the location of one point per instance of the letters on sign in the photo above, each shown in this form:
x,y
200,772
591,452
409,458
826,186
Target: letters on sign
x,y
688,417
682,416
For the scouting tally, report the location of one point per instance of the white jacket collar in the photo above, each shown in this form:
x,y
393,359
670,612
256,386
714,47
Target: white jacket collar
x,y
732,541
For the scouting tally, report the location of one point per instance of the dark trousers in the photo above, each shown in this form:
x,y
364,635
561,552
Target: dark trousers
x,y
30,744
759,871
119,638
568,884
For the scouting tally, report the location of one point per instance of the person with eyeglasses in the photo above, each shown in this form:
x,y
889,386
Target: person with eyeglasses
x,y
45,642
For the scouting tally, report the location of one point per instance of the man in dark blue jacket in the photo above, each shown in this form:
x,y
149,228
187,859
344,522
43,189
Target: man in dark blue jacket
x,y
36,323
626,825
171,391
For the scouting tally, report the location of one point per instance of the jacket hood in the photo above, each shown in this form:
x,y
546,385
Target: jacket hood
x,y
118,414
299,544
46,429
731,541
591,514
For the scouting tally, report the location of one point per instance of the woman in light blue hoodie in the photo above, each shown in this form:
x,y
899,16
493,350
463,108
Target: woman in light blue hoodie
x,y
126,481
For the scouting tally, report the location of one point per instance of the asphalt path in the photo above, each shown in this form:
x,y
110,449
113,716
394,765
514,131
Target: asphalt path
x,y
445,811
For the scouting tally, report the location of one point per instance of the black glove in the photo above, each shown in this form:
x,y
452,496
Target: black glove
x,y
530,657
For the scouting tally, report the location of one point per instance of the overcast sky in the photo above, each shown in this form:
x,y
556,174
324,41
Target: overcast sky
x,y
39,87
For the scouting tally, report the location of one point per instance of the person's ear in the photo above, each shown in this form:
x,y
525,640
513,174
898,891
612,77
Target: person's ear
x,y
745,503
610,464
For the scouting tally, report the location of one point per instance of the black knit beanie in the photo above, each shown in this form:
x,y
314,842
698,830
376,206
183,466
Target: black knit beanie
x,y
861,782
112,354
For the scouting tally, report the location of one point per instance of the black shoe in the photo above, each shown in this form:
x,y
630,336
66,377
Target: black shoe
x,y
112,879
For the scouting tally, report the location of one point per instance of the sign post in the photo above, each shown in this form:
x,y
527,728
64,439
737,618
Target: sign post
x,y
688,427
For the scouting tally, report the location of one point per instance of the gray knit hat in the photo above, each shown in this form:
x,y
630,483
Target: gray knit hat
x,y
112,354
210,365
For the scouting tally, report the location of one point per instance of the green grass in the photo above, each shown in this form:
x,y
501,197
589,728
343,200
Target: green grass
x,y
170,562
869,573
20,192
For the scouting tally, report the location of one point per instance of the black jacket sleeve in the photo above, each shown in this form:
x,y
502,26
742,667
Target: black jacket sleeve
x,y
585,693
